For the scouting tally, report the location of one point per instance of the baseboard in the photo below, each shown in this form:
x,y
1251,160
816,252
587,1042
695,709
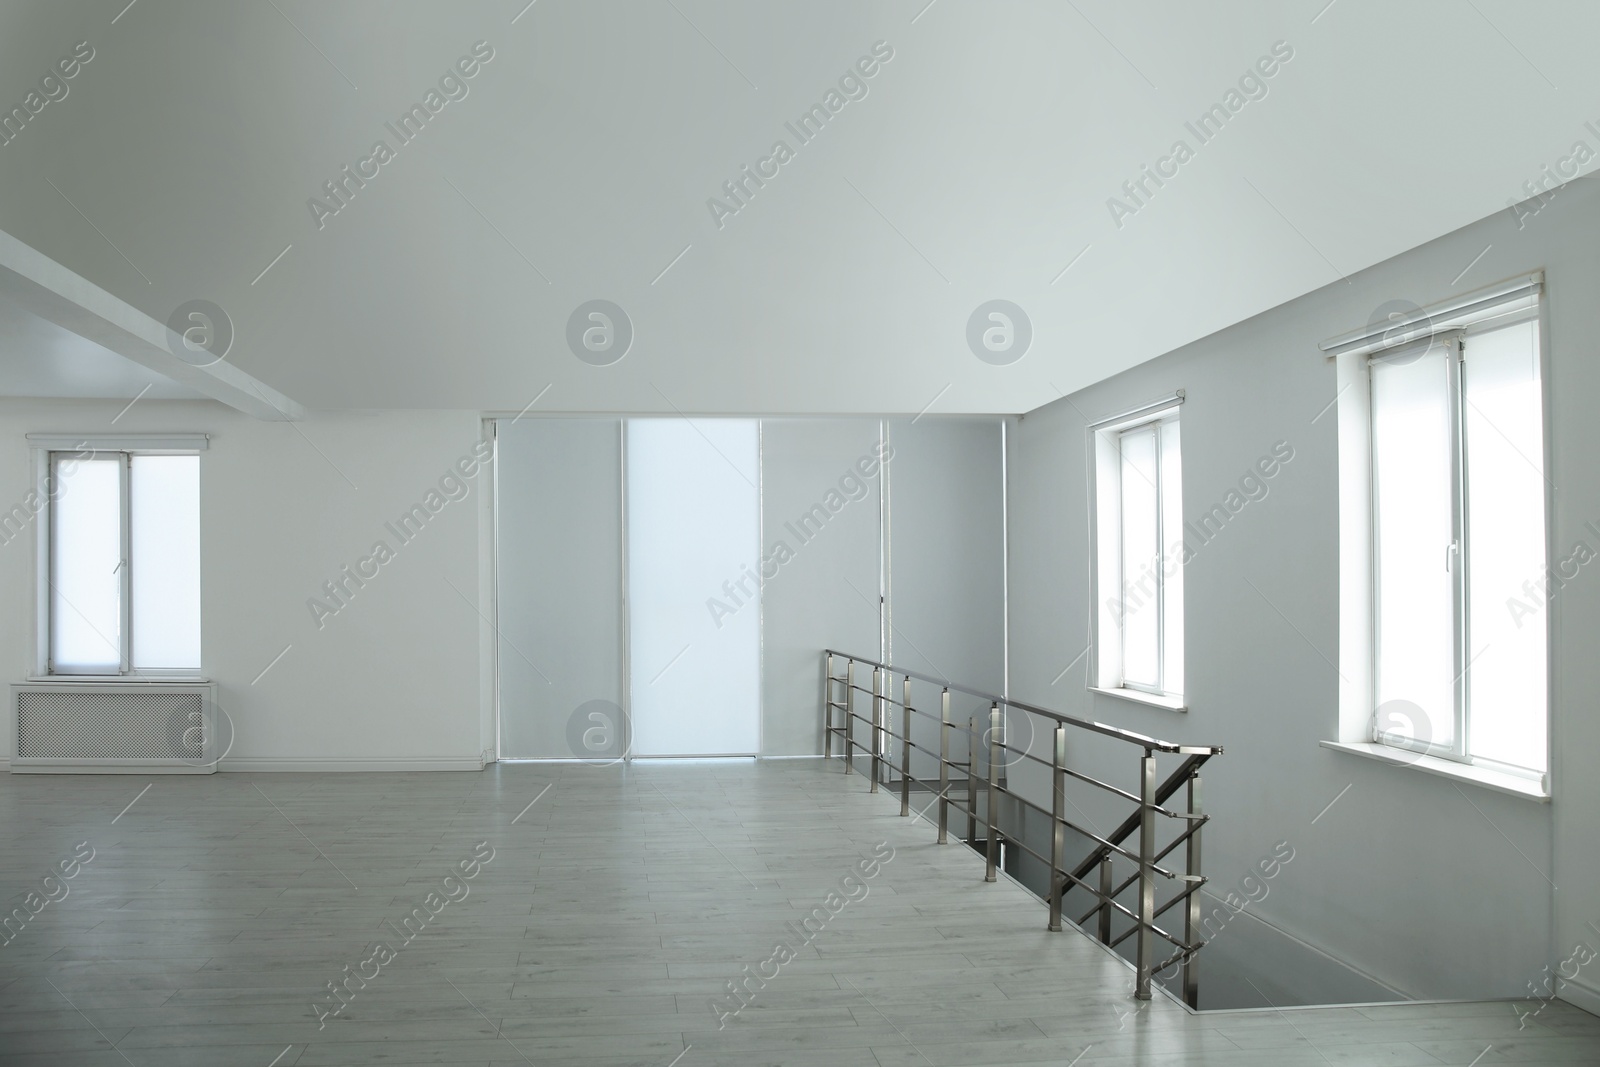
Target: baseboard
x,y
163,767
309,763
1579,995
344,763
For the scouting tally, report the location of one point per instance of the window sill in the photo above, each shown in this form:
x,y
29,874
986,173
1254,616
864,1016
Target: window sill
x,y
129,679
1498,781
1169,703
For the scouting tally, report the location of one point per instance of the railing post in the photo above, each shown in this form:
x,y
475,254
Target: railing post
x,y
994,796
1191,919
972,780
944,766
1147,878
849,715
905,745
1104,931
827,705
1058,829
874,767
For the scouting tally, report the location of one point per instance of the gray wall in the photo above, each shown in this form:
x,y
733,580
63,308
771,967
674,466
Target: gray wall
x,y
559,510
945,554
946,549
1249,964
826,595
1436,890
946,567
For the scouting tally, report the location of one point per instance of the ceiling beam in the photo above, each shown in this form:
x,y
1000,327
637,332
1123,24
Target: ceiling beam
x,y
47,289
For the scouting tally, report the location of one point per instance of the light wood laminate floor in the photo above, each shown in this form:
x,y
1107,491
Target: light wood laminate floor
x,y
216,909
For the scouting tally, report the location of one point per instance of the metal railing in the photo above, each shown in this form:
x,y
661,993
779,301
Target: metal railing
x,y
988,783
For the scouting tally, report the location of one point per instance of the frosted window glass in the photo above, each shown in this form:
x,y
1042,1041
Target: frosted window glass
x,y
1141,632
1412,474
694,539
1172,560
85,566
1506,539
164,499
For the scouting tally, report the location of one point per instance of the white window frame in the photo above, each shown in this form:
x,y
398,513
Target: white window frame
x,y
1450,323
46,449
1106,566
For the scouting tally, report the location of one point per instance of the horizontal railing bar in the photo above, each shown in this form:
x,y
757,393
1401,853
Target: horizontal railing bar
x,y
1022,752
1042,858
1132,798
999,757
1174,782
1194,825
1026,755
1120,938
1023,801
1177,898
1078,829
1159,856
888,733
1112,904
1107,786
1036,807
1131,879
1091,889
1182,953
1042,810
1134,929
1019,843
1194,887
959,806
1120,734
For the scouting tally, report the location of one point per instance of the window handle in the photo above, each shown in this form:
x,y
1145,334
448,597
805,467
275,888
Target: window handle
x,y
121,563
1450,551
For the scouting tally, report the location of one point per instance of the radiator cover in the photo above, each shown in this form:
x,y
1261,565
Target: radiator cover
x,y
113,727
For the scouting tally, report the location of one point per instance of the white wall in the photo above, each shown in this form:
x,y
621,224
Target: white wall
x,y
1436,890
391,680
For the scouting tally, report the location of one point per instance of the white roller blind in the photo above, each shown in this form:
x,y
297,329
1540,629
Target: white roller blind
x,y
693,533
1141,504
1412,474
164,537
86,565
1505,538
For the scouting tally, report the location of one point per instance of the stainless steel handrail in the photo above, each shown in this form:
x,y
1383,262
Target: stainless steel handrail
x,y
1085,724
1149,803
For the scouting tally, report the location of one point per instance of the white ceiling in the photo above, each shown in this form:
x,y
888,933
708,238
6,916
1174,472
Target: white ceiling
x,y
578,167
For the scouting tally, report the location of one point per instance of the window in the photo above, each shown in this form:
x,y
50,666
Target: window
x,y
1458,540
120,561
1138,507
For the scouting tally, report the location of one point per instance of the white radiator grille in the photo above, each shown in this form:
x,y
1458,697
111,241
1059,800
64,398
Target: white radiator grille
x,y
114,725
